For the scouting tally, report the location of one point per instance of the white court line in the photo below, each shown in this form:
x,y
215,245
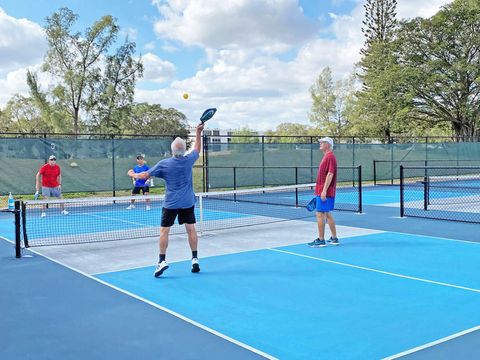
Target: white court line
x,y
10,241
190,321
379,271
433,343
434,237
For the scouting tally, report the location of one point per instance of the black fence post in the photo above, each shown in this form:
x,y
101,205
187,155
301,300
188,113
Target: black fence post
x,y
296,188
426,191
402,210
360,200
46,151
374,172
18,248
234,183
311,158
113,164
353,159
263,160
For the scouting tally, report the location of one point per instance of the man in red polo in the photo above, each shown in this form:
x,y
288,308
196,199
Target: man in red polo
x,y
325,192
51,182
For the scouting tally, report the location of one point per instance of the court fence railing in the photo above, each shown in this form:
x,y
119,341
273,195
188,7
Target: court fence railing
x,y
98,162
440,192
387,172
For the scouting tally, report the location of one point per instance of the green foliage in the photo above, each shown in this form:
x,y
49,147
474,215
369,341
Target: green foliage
x,y
153,119
289,133
441,56
332,104
245,135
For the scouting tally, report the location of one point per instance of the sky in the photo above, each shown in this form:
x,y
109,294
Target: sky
x,y
254,60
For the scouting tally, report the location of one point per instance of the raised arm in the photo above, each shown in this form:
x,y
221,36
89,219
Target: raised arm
x,y
198,137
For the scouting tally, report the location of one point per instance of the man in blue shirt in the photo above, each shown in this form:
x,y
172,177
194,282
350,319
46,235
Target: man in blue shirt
x,y
179,196
140,184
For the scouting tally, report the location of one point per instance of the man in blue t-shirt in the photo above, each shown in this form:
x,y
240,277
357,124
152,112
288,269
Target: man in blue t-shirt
x,y
140,184
179,196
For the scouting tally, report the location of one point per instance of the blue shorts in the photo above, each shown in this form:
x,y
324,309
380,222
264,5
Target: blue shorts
x,y
325,206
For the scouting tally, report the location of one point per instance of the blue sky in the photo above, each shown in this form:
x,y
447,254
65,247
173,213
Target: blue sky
x,y
252,59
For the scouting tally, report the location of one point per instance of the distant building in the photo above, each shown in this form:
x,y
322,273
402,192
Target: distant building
x,y
218,138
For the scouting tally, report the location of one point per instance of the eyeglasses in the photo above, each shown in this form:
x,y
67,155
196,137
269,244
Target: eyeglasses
x,y
52,159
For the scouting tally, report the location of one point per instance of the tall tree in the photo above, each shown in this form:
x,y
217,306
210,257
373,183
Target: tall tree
x,y
112,97
380,22
153,119
323,96
442,57
76,60
332,103
377,105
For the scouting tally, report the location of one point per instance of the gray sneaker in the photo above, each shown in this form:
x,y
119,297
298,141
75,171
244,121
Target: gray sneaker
x,y
333,241
317,243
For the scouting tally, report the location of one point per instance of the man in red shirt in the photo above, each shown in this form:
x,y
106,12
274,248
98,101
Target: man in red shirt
x,y
51,182
325,193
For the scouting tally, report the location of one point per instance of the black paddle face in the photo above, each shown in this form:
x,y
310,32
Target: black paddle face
x,y
208,114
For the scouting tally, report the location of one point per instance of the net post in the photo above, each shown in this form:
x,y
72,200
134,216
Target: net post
x,y
24,224
18,247
360,189
402,209
200,205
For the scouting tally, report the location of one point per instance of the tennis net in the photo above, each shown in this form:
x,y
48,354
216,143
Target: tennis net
x,y
46,222
448,193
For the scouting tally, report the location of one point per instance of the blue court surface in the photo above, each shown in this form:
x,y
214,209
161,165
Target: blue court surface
x,y
394,288
298,302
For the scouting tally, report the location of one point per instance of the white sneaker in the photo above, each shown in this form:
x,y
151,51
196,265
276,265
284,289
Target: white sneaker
x,y
130,207
65,212
161,267
195,265
148,207
43,214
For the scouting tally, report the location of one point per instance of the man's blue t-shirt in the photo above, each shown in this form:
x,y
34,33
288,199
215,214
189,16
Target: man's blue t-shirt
x,y
177,173
138,169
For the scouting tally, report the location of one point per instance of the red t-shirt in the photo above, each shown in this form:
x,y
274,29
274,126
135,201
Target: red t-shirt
x,y
50,175
328,164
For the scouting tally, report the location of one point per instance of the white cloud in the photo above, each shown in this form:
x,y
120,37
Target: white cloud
x,y
149,46
272,25
255,89
22,43
15,82
157,70
414,8
132,33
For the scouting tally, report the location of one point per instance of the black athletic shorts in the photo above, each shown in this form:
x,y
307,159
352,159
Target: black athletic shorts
x,y
144,189
184,216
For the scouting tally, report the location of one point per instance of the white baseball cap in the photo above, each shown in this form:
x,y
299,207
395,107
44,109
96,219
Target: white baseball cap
x,y
327,140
